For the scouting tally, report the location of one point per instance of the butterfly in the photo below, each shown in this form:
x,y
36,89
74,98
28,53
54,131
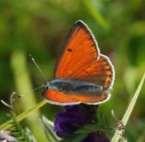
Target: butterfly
x,y
83,74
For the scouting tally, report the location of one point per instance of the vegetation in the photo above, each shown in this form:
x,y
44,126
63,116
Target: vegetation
x,y
39,28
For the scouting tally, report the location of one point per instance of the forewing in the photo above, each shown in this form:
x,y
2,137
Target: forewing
x,y
81,49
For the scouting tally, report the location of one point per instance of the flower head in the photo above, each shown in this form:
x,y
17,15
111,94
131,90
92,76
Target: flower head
x,y
72,118
98,136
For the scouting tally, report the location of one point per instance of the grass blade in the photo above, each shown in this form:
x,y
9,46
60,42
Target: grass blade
x,y
118,133
22,116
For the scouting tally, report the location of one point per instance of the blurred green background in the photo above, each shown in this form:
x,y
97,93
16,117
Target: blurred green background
x,y
39,27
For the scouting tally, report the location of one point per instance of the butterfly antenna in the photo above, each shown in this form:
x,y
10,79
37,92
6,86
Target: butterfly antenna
x,y
38,67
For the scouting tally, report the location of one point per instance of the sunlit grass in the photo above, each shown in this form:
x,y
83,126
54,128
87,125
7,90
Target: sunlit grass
x,y
27,97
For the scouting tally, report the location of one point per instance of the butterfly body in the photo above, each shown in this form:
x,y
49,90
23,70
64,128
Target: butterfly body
x,y
74,86
83,74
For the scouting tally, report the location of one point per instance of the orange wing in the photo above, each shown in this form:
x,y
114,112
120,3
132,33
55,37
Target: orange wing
x,y
100,71
82,59
81,49
61,98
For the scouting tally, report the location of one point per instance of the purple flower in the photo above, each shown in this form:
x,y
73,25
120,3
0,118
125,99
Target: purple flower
x,y
98,136
72,118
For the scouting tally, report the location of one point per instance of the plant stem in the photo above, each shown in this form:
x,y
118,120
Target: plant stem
x,y
119,132
22,116
24,89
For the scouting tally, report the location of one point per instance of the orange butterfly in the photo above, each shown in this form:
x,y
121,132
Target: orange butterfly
x,y
83,74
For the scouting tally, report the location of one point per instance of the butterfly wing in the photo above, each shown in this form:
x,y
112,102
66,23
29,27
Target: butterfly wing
x,y
101,72
81,60
81,49
61,98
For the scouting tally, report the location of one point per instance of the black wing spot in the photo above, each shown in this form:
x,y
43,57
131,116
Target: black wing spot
x,y
69,50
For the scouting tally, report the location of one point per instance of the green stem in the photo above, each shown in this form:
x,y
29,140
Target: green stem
x,y
119,132
22,116
24,89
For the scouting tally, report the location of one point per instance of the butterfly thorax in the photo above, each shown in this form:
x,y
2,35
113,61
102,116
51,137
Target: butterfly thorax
x,y
76,86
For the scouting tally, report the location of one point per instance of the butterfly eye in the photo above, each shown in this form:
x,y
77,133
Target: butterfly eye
x,y
47,85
